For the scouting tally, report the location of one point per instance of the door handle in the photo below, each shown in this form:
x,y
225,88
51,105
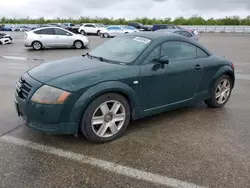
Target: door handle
x,y
198,67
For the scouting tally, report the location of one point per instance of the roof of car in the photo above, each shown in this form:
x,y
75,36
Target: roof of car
x,y
166,36
156,35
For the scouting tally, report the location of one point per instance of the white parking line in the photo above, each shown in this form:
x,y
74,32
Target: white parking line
x,y
20,58
105,165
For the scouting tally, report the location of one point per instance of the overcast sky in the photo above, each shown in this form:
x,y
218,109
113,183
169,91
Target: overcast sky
x,y
123,8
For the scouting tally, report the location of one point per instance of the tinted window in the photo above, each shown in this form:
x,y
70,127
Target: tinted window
x,y
162,27
170,27
72,25
48,31
88,25
177,32
178,50
155,54
186,34
60,32
201,53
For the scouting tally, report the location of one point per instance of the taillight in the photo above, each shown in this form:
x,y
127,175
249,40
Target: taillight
x,y
232,65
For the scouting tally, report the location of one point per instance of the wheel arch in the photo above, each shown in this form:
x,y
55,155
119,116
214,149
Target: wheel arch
x,y
225,70
36,41
103,88
77,41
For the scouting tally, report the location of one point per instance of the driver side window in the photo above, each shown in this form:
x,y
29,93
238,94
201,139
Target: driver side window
x,y
155,54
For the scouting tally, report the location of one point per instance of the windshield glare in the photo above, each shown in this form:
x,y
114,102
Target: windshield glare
x,y
123,49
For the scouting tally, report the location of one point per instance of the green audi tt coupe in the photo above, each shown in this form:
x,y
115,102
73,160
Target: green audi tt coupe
x,y
125,78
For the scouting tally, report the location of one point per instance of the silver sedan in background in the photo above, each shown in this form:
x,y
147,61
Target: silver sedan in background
x,y
54,37
113,31
182,32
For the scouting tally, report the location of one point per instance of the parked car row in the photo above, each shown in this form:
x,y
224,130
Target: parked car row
x,y
56,35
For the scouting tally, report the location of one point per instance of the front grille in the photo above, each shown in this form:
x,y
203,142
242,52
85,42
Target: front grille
x,y
23,88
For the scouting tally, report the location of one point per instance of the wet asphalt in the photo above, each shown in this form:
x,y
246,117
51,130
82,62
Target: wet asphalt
x,y
196,144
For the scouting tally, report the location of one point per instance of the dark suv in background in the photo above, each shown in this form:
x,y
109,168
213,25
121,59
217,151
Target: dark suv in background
x,y
139,26
164,26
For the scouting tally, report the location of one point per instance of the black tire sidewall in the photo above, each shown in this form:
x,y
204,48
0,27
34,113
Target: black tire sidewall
x,y
86,127
106,35
83,32
213,102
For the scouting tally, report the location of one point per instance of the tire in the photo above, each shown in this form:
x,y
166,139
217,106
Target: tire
x,y
105,35
83,32
223,92
36,45
78,44
98,33
92,132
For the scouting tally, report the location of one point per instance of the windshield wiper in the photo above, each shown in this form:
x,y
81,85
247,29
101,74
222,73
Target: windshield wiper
x,y
100,58
88,55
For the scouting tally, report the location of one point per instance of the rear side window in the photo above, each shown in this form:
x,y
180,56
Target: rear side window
x,y
178,50
47,31
186,34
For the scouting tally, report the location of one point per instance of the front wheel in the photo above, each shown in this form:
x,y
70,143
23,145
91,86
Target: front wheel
x,y
78,44
105,35
221,92
106,118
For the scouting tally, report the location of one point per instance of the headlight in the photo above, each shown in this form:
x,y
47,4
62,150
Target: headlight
x,y
50,95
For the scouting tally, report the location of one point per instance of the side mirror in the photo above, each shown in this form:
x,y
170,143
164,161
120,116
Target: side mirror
x,y
68,34
164,60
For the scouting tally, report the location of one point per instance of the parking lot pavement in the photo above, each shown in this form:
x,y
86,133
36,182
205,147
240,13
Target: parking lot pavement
x,y
182,148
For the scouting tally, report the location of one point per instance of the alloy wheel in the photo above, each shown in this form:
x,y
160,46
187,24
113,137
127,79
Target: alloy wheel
x,y
108,118
78,44
37,45
106,35
223,90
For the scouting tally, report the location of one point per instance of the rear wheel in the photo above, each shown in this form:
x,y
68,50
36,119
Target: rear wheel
x,y
37,45
98,33
106,118
83,32
221,92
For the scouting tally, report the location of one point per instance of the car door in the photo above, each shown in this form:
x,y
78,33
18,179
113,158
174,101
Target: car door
x,y
184,72
88,28
46,37
63,38
92,29
152,82
111,31
118,31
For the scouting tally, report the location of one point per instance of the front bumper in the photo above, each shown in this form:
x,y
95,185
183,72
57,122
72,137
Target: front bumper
x,y
46,118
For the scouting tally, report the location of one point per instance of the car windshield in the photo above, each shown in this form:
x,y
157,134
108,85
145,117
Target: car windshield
x,y
123,49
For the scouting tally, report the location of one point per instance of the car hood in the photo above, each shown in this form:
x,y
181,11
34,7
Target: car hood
x,y
80,72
